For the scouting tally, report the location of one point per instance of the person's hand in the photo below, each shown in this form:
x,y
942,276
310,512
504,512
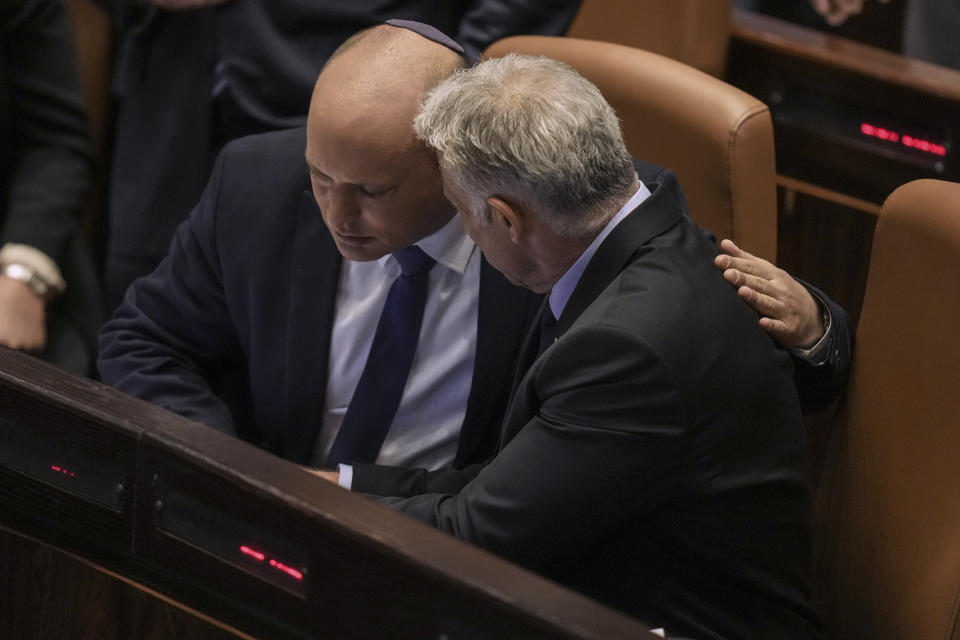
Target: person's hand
x,y
788,311
22,317
329,476
186,5
836,12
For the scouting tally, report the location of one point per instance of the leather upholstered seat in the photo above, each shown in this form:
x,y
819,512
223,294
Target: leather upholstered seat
x,y
695,32
888,506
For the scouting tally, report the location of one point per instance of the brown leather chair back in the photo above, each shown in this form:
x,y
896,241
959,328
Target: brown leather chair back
x,y
718,139
695,32
93,39
888,507
94,44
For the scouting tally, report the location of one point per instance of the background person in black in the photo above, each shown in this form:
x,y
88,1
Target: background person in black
x,y
49,299
929,26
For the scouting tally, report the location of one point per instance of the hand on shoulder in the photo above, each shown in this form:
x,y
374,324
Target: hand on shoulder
x,y
788,311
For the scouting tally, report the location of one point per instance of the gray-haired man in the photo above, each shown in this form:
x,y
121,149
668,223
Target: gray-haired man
x,y
653,454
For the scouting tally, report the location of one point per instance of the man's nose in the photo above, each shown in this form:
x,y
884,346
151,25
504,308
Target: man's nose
x,y
339,207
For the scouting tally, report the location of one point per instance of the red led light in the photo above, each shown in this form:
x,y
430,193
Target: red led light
x,y
252,553
293,573
926,146
279,566
65,472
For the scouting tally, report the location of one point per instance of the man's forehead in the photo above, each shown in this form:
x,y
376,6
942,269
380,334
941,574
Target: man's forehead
x,y
388,71
335,95
360,155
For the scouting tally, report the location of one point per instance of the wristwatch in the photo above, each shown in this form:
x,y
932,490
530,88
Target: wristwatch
x,y
29,277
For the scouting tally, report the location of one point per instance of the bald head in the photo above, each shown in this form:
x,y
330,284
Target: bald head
x,y
384,67
377,186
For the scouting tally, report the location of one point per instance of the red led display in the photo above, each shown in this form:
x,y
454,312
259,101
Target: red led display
x,y
290,571
65,472
882,133
253,554
279,566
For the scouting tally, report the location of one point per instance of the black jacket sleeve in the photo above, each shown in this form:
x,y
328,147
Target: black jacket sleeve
x,y
173,333
821,383
45,151
588,440
380,480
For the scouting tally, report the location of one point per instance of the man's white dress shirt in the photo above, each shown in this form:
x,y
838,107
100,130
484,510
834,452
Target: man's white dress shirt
x,y
426,428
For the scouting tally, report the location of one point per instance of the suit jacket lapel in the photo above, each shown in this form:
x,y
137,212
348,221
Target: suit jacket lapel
x,y
655,215
504,313
315,270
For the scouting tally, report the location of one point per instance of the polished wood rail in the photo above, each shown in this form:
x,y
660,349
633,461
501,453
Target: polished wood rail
x,y
154,526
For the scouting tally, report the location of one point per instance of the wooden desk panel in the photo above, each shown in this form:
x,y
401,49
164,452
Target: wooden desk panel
x,y
51,595
193,498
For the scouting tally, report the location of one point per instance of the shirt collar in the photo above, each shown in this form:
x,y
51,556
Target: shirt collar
x,y
449,246
563,289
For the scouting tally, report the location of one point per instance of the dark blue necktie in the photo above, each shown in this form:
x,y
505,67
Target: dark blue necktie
x,y
377,396
548,328
544,336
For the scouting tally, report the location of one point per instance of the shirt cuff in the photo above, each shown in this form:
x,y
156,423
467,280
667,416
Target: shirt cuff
x,y
346,476
817,354
35,260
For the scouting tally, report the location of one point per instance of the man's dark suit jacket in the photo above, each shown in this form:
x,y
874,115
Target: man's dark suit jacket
x,y
233,328
653,457
271,52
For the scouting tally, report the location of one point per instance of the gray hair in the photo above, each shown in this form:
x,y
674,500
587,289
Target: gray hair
x,y
534,132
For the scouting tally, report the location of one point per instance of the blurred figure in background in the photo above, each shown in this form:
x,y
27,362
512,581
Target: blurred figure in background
x,y
929,26
49,304
930,31
193,74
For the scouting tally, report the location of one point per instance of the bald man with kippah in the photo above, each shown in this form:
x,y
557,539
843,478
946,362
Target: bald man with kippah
x,y
256,325
191,75
275,315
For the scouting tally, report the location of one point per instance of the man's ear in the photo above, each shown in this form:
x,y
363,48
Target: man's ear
x,y
510,216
